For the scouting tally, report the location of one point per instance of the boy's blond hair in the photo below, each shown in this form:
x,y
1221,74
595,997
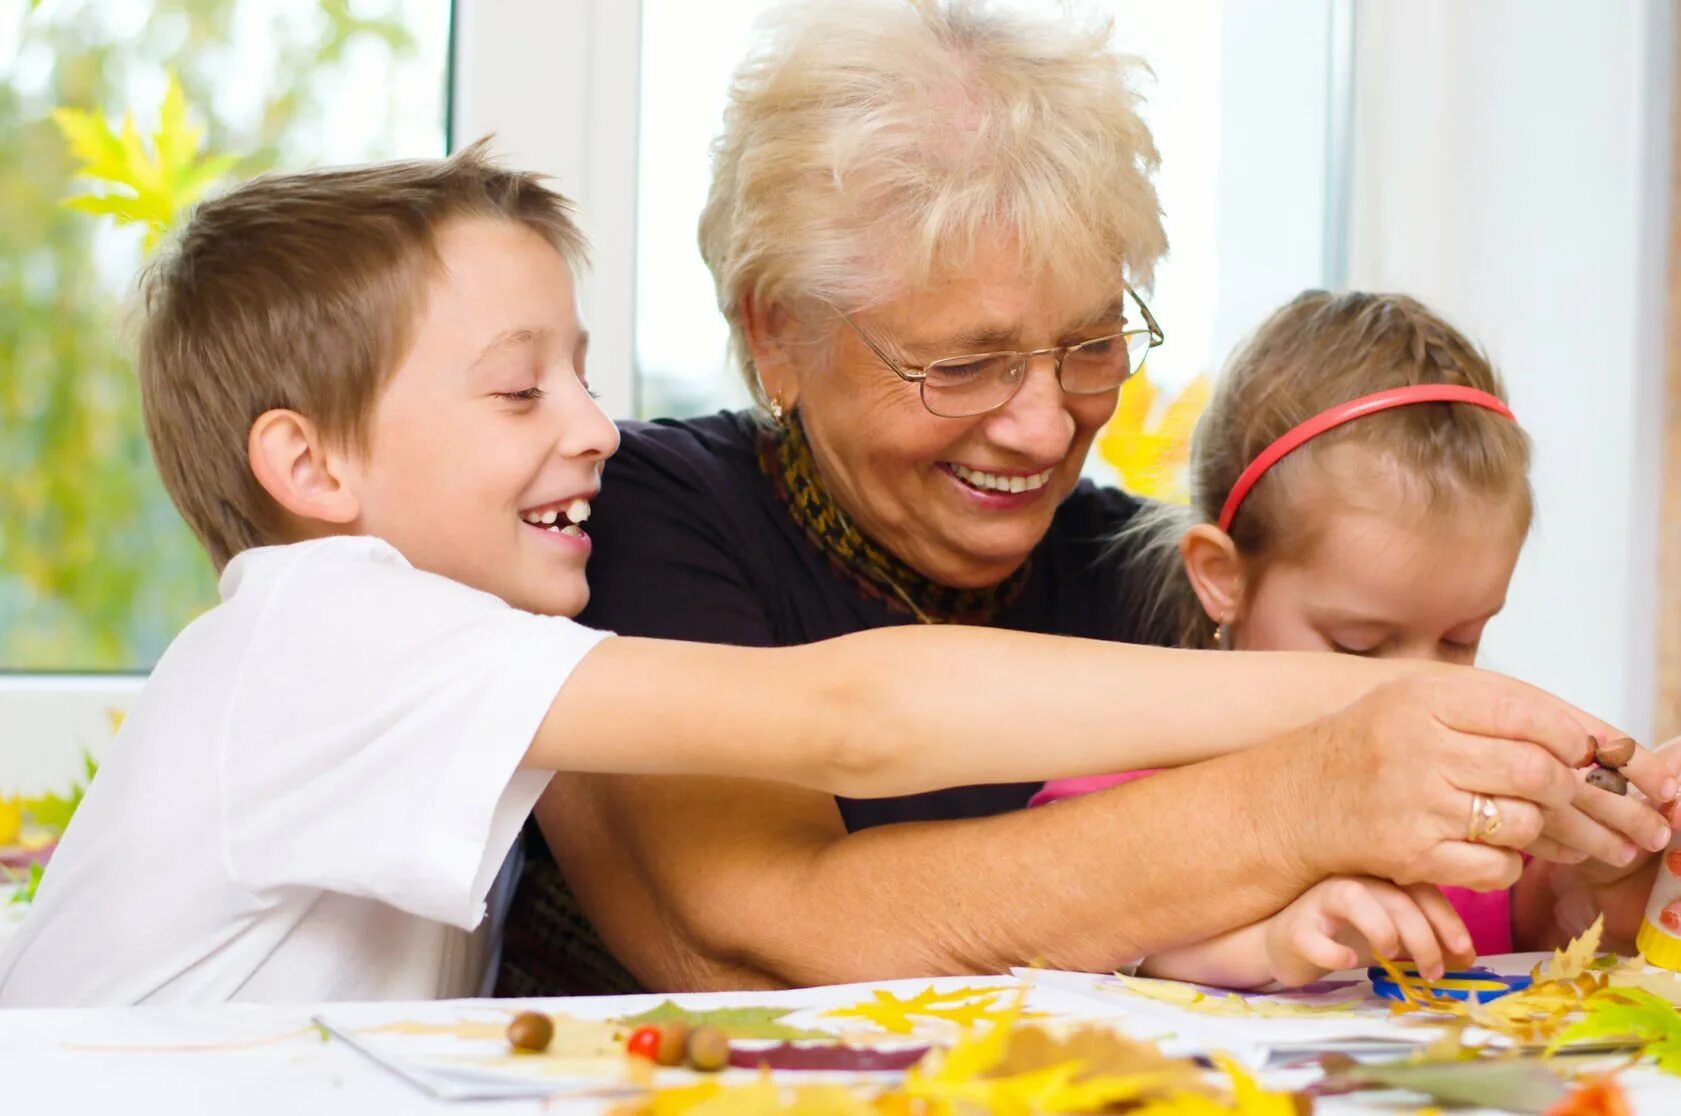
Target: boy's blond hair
x,y
301,291
1317,351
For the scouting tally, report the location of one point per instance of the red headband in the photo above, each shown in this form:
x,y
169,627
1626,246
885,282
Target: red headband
x,y
1348,412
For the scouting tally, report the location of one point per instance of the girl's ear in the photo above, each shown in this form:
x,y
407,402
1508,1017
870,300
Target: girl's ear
x,y
769,332
291,461
1216,571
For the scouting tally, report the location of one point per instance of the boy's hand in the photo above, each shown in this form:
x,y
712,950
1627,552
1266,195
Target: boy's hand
x,y
1340,923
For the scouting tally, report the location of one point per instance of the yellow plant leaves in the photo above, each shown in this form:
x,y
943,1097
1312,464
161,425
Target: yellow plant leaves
x,y
141,184
1150,459
1573,960
11,820
965,1007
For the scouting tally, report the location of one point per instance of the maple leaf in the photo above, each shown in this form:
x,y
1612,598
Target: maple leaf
x,y
967,1007
1633,1014
1150,458
141,186
1574,959
735,1022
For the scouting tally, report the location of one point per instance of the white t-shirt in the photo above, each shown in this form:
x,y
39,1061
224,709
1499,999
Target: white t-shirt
x,y
310,798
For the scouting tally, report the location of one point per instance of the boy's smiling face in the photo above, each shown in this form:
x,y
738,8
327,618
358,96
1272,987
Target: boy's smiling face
x,y
486,437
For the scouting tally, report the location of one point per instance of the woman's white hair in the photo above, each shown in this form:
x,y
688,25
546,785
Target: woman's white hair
x,y
868,144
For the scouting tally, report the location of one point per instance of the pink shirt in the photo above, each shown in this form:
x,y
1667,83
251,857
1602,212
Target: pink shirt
x,y
1487,914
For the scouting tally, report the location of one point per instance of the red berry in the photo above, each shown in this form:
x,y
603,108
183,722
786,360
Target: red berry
x,y
1673,862
644,1042
1670,919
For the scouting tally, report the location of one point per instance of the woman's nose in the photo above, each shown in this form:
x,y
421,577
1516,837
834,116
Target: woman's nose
x,y
1035,423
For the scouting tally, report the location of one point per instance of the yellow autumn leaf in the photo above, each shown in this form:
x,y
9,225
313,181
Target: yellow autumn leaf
x,y
11,820
140,184
965,1007
1150,457
1573,960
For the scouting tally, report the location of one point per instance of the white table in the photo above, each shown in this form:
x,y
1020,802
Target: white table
x,y
260,1060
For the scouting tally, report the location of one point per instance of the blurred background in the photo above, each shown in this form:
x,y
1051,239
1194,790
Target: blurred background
x,y
1508,161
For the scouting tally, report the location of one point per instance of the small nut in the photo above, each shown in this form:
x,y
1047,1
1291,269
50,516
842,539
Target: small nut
x,y
1608,778
1614,753
674,1040
709,1049
531,1031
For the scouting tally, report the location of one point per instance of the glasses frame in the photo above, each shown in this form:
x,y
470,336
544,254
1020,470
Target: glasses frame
x,y
918,373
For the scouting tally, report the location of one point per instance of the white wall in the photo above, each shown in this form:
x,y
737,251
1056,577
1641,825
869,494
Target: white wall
x,y
1510,168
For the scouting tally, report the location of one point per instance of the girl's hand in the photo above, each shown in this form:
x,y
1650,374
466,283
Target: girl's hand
x,y
1340,923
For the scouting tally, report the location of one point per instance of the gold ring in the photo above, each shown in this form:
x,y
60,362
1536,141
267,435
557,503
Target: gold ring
x,y
1485,819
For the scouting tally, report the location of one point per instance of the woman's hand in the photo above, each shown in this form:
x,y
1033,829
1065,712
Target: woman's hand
x,y
1344,921
1386,786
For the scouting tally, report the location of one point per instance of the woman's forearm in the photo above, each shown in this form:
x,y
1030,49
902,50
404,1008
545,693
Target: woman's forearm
x,y
1085,884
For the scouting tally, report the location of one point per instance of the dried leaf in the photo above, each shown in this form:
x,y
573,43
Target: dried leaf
x,y
1517,1085
966,1007
736,1022
1573,960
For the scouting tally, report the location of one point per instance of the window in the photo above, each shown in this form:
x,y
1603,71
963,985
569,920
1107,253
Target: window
x,y
1241,105
97,571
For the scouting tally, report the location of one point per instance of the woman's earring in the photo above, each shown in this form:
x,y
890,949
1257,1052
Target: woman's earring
x,y
776,408
1222,636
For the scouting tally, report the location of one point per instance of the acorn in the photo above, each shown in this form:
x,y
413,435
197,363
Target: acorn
x,y
531,1031
1614,753
708,1049
674,1040
1608,779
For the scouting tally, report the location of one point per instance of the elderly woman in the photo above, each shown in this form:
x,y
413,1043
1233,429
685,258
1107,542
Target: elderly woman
x,y
929,227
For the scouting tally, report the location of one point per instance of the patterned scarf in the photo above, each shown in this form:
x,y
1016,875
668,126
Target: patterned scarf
x,y
785,458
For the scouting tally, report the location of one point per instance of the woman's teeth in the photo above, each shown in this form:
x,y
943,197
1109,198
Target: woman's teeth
x,y
574,513
996,483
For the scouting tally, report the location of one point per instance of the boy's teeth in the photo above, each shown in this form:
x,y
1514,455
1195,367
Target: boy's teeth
x,y
573,529
550,516
1002,484
578,511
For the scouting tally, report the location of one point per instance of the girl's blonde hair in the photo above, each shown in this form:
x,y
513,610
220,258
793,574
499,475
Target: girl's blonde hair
x,y
868,144
1316,352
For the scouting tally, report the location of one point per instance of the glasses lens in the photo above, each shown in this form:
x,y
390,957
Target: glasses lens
x,y
962,386
1103,364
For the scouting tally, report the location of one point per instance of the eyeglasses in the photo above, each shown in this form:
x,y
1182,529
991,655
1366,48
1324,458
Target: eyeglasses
x,y
965,386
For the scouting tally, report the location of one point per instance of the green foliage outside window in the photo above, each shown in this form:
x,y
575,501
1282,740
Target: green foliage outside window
x,y
96,569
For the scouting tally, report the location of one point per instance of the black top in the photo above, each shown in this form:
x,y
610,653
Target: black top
x,y
692,542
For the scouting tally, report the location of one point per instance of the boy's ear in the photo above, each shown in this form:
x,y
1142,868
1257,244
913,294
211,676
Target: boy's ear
x,y
769,332
291,461
1216,571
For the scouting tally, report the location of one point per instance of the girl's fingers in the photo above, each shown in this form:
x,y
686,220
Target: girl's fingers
x,y
1321,950
1353,903
1418,937
1445,923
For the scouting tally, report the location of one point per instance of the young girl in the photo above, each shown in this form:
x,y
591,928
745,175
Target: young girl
x,y
1359,485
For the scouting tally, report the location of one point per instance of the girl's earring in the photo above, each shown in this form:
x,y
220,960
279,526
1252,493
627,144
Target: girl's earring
x,y
1222,637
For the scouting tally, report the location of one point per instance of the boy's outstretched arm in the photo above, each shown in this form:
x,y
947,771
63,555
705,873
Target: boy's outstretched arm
x,y
900,710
